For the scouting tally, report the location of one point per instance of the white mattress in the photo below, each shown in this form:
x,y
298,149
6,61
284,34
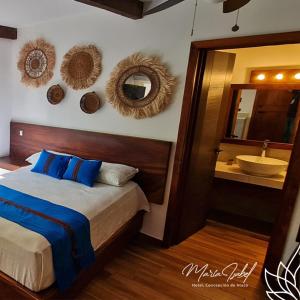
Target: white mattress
x,y
26,256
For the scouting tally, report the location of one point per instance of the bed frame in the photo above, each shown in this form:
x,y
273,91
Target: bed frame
x,y
150,156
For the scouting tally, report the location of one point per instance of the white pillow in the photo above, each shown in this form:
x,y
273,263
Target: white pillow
x,y
32,159
35,157
116,174
112,174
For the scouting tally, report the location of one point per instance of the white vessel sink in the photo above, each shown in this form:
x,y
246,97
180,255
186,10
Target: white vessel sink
x,y
261,166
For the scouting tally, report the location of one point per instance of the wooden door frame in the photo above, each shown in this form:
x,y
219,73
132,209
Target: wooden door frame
x,y
193,86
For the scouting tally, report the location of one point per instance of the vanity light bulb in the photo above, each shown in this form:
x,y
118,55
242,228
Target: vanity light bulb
x,y
261,77
279,76
297,76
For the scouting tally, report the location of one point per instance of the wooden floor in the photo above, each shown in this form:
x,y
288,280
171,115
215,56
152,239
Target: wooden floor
x,y
148,272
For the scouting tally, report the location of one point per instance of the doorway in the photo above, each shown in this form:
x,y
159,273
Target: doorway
x,y
183,217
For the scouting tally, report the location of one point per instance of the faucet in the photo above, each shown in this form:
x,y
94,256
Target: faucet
x,y
265,147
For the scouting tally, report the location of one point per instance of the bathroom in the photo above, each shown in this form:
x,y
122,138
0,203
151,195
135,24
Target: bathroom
x,y
258,128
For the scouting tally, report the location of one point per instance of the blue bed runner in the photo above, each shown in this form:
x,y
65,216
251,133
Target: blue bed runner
x,y
67,230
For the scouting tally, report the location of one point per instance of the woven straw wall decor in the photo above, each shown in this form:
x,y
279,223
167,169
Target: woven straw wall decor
x,y
36,62
55,94
81,66
90,103
159,97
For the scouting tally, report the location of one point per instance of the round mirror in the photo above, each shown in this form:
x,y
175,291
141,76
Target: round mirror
x,y
140,86
137,86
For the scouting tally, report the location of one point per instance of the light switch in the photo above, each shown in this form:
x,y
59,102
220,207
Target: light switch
x,y
20,132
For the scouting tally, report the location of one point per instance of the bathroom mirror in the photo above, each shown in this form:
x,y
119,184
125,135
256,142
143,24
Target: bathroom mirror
x,y
137,86
259,113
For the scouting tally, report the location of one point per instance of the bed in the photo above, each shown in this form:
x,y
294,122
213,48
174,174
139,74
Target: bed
x,y
26,256
115,213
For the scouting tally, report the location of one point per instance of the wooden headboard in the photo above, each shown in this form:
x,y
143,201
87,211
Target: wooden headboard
x,y
151,157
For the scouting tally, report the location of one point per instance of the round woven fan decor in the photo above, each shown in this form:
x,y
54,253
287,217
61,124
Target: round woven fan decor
x,y
90,103
154,101
36,62
55,94
81,66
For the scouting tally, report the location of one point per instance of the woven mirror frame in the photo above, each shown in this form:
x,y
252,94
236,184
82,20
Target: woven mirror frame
x,y
157,99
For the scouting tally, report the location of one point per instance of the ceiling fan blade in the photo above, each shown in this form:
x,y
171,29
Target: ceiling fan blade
x,y
232,5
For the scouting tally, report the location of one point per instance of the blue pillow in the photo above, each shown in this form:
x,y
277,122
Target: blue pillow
x,y
83,171
51,164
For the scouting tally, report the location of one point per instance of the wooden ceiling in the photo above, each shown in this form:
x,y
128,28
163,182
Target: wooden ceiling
x,y
164,5
133,9
129,8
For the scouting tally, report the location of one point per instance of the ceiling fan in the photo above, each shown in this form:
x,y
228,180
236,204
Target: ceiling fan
x,y
231,5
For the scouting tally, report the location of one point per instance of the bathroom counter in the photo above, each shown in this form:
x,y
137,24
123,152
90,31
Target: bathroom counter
x,y
234,173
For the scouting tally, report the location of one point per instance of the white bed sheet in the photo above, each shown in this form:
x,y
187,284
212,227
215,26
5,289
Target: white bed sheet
x,y
26,256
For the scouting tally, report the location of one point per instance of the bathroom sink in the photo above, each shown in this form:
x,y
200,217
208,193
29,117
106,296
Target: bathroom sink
x,y
261,166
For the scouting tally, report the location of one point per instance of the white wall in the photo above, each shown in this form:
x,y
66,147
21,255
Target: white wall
x,y
166,34
248,99
117,37
245,113
5,94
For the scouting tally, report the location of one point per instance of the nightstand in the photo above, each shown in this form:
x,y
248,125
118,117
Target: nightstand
x,y
11,164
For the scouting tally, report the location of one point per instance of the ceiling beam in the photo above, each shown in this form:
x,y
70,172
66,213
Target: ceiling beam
x,y
8,33
162,6
128,8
